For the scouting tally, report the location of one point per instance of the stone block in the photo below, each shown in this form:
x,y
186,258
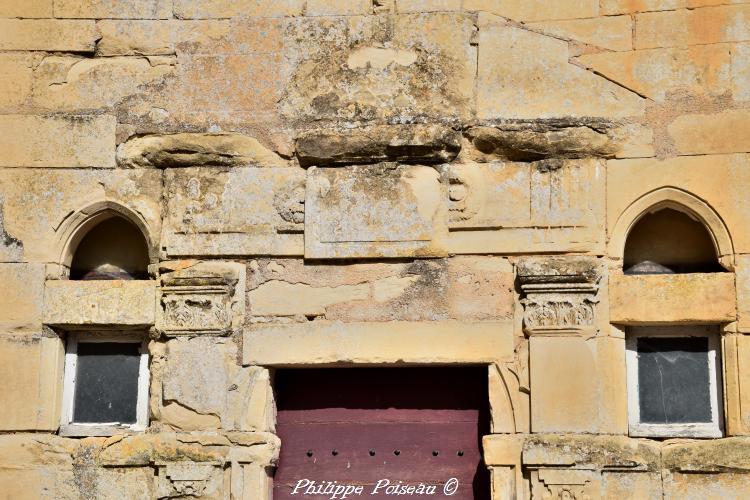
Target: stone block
x,y
21,304
720,181
427,5
527,75
251,405
742,274
611,7
356,78
735,362
136,37
26,8
730,133
611,32
15,91
700,486
48,34
211,9
536,10
672,298
722,23
197,374
356,292
373,199
593,452
113,9
653,73
402,143
238,211
329,343
336,8
578,384
70,83
64,141
32,370
481,288
99,303
45,202
489,195
741,72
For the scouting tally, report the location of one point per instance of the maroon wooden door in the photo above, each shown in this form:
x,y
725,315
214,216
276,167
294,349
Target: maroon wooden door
x,y
377,433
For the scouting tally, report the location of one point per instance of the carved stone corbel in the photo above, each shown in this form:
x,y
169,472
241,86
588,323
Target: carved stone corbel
x,y
202,299
560,294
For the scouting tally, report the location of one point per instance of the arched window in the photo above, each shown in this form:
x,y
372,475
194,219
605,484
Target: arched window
x,y
669,241
114,248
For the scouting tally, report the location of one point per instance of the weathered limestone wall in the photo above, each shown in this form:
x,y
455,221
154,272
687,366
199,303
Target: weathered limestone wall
x,y
370,182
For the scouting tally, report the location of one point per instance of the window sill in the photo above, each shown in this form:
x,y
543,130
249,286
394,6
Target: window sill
x,y
698,431
85,430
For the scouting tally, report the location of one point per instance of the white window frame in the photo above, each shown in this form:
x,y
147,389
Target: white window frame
x,y
70,428
713,429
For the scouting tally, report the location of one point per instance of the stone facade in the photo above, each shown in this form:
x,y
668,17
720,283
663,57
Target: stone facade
x,y
370,182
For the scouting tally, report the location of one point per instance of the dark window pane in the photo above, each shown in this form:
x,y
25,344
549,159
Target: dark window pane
x,y
673,380
106,382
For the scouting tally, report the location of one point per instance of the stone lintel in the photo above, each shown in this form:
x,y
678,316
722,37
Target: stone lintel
x,y
331,343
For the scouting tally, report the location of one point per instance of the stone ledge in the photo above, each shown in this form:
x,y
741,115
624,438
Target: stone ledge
x,y
96,303
329,343
672,298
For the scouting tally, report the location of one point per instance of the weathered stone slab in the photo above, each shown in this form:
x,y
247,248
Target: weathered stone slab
x,y
610,7
197,374
113,9
489,195
69,83
730,133
519,207
527,75
591,451
234,211
35,212
91,303
66,141
426,70
578,384
188,150
327,343
403,143
672,298
742,281
31,368
653,73
48,34
532,145
21,303
390,211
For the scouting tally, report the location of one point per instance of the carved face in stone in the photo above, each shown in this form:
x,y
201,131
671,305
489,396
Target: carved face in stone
x,y
291,205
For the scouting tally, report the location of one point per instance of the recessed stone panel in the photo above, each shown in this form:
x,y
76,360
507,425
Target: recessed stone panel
x,y
375,211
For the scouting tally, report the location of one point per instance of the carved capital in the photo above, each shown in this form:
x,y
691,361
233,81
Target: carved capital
x,y
204,299
561,294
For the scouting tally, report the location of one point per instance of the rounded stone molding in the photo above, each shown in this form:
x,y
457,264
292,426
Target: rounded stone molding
x,y
676,199
77,224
